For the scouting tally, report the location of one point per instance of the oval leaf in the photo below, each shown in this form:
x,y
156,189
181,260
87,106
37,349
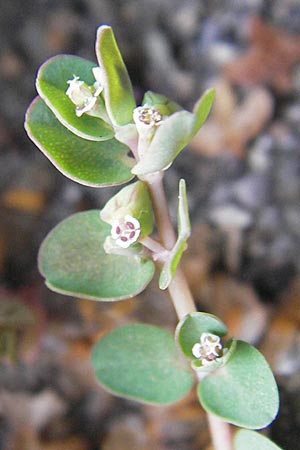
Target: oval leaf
x,y
73,261
141,362
191,327
52,84
90,163
118,93
244,391
250,440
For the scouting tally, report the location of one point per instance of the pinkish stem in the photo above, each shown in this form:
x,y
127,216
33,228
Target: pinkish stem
x,y
180,292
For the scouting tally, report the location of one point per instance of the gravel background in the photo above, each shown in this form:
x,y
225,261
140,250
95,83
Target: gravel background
x,y
243,178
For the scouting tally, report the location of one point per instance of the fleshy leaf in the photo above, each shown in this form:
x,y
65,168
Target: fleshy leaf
x,y
174,133
154,99
191,327
169,139
87,162
184,230
118,92
242,392
202,108
251,440
128,135
141,362
73,262
134,200
52,84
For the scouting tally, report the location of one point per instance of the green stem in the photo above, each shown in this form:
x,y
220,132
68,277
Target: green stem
x,y
180,292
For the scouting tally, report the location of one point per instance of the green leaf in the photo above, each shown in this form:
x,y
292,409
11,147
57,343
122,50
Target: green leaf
x,y
202,109
134,200
242,392
169,139
52,84
184,230
175,132
90,163
73,262
155,100
184,225
251,440
170,266
118,93
191,327
141,362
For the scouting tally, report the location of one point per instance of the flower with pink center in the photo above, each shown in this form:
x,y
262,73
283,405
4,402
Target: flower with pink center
x,y
209,348
126,231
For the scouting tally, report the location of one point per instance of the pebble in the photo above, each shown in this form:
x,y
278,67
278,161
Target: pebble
x,y
252,191
260,155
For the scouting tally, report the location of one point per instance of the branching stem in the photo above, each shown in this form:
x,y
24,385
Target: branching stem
x,y
158,251
180,292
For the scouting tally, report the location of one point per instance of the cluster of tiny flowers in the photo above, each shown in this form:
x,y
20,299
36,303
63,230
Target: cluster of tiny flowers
x,y
83,96
126,232
209,348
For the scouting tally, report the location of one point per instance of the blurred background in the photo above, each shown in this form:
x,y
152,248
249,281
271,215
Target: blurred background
x,y
243,180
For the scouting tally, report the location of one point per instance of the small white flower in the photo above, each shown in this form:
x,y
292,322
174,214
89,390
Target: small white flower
x,y
146,118
83,96
208,349
78,91
125,232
